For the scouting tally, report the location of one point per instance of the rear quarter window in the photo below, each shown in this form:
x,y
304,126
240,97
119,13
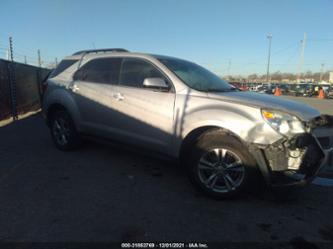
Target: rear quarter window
x,y
64,64
101,70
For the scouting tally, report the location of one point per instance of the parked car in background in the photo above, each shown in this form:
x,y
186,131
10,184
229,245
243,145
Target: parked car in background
x,y
267,89
300,90
244,88
284,88
305,90
316,88
330,93
235,84
224,137
326,88
292,90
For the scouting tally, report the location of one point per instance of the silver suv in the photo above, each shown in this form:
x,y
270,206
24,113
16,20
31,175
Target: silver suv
x,y
223,136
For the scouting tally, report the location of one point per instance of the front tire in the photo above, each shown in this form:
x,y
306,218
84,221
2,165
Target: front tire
x,y
220,165
63,131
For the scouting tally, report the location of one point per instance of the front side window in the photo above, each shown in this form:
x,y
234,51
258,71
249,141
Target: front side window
x,y
195,76
103,70
135,71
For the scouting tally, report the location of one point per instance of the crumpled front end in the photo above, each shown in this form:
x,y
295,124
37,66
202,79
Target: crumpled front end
x,y
297,160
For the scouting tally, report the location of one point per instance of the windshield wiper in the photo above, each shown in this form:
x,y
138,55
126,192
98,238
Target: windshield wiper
x,y
233,89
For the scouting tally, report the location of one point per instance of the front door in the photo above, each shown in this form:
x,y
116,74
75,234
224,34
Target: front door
x,y
144,116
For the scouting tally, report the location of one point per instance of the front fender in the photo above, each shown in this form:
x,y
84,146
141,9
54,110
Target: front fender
x,y
243,121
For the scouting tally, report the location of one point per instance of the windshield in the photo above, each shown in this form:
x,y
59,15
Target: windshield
x,y
196,77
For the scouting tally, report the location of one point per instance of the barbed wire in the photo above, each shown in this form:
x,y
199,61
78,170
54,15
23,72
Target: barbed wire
x,y
25,55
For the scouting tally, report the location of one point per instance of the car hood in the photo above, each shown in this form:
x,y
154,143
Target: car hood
x,y
301,110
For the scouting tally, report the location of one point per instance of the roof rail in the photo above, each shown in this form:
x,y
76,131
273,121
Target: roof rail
x,y
101,50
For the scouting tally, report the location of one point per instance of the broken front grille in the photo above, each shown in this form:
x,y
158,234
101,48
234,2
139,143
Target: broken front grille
x,y
321,121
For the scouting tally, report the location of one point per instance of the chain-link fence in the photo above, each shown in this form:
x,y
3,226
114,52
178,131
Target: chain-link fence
x,y
20,88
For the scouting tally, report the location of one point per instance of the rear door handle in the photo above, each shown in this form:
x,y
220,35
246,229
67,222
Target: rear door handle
x,y
74,88
118,96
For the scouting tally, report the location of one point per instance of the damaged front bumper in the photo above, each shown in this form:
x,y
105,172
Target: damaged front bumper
x,y
297,161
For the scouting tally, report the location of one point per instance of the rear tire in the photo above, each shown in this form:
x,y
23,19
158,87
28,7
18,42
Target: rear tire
x,y
63,131
220,166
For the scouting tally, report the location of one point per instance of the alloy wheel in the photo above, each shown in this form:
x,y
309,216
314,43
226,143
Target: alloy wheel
x,y
61,131
221,170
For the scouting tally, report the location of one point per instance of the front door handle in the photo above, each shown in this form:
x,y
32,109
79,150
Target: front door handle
x,y
118,96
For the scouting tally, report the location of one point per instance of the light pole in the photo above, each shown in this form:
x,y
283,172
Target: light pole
x,y
321,71
301,58
269,36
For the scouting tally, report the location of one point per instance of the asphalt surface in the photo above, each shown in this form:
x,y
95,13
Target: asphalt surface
x,y
103,193
324,105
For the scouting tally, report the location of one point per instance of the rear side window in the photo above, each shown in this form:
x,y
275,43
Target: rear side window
x,y
103,70
63,65
134,71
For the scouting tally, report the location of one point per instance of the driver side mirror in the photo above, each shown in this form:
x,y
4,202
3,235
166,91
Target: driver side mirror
x,y
159,83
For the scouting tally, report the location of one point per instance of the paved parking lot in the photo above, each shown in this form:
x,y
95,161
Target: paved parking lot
x,y
103,193
324,105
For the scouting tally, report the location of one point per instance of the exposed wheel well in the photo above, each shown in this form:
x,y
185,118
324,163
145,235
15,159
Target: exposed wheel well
x,y
52,109
194,135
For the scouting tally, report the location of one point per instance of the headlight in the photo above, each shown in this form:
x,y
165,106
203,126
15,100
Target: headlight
x,y
284,123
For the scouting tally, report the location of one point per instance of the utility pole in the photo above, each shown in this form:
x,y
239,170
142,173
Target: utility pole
x,y
39,58
269,36
301,57
321,71
56,61
25,59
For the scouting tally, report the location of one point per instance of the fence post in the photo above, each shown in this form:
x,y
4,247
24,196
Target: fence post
x,y
39,85
12,81
39,78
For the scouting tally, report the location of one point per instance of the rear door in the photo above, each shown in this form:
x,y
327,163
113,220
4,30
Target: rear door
x,y
92,89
